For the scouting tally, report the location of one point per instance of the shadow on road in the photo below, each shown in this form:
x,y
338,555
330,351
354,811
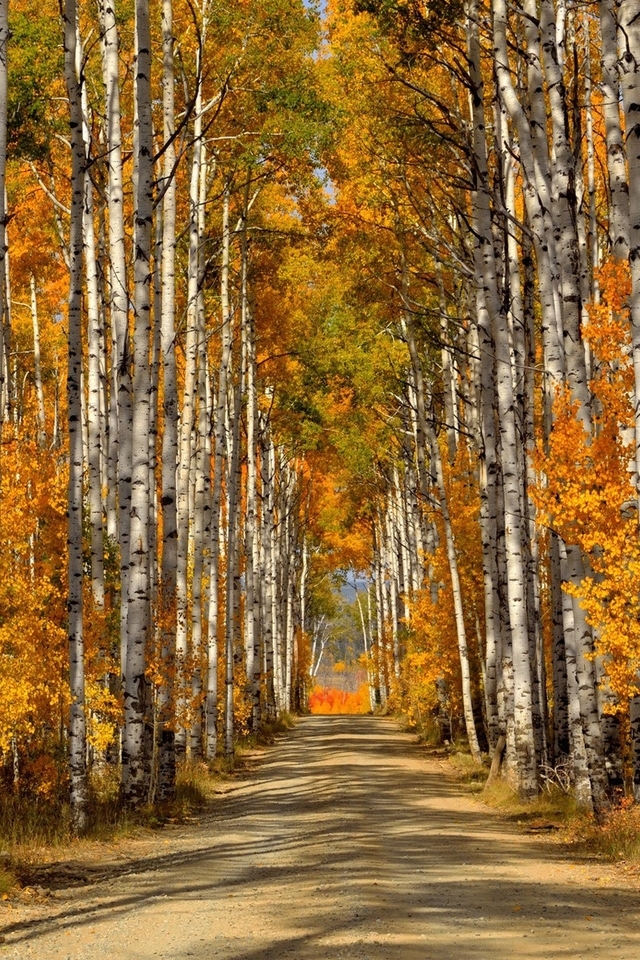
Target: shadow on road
x,y
344,844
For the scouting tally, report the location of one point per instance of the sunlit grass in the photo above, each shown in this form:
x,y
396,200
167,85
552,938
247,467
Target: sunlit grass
x,y
269,731
466,769
617,838
28,821
8,883
551,804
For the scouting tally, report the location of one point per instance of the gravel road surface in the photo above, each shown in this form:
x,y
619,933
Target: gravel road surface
x,y
345,843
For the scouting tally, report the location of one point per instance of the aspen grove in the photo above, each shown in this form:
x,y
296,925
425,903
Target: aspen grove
x,y
293,293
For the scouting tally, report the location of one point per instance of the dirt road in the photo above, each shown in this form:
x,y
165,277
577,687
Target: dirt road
x,y
346,844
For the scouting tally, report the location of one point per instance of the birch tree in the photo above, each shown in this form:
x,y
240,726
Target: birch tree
x,y
120,411
135,753
167,605
77,719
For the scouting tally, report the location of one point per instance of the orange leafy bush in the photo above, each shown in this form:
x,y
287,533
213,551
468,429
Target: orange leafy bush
x,y
588,495
33,641
329,700
431,669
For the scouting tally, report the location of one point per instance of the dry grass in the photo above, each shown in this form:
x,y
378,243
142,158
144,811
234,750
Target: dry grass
x,y
427,731
465,769
8,883
552,804
268,733
618,838
25,821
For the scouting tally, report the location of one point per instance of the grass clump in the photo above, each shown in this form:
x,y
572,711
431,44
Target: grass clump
x,y
616,839
269,731
32,821
427,730
194,788
8,883
468,771
552,804
31,825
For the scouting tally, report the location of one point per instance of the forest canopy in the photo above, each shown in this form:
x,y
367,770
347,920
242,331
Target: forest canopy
x,y
291,297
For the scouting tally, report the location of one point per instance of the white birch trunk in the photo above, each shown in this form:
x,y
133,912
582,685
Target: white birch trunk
x,y
289,645
167,594
37,367
564,215
534,161
201,540
135,764
561,745
232,550
593,243
629,17
616,165
391,562
524,761
94,433
382,607
252,548
273,579
577,746
202,479
121,417
367,652
267,575
186,473
216,502
629,21
77,719
486,392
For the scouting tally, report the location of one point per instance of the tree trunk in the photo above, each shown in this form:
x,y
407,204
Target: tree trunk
x,y
629,39
252,548
94,432
135,761
42,425
232,549
121,417
616,166
167,594
77,719
202,479
186,465
488,440
218,465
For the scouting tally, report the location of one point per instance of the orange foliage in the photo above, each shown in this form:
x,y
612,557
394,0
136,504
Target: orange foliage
x,y
432,642
329,700
588,487
33,641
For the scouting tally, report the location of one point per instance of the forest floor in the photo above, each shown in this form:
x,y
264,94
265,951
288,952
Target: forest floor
x,y
344,842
